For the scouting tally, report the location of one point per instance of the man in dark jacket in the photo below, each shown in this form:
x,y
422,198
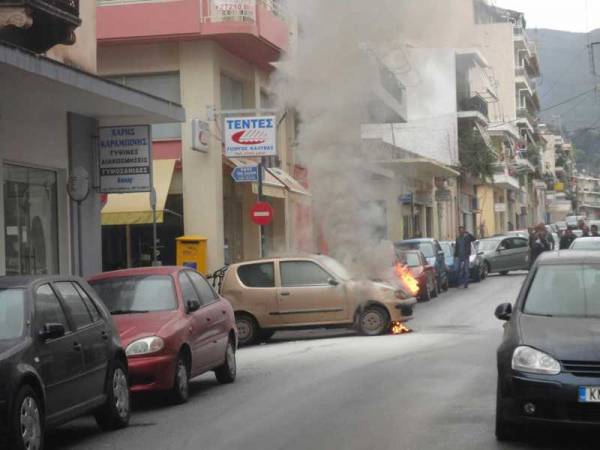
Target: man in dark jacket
x,y
567,239
462,252
541,243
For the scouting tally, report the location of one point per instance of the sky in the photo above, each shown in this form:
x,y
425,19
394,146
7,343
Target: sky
x,y
566,15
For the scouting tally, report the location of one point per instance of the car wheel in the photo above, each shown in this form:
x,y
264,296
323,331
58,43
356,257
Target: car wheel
x,y
424,294
488,268
435,291
484,271
505,430
180,393
374,321
115,413
504,273
27,431
227,371
248,329
446,284
477,278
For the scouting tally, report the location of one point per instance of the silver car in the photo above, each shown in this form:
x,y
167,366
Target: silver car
x,y
504,253
586,243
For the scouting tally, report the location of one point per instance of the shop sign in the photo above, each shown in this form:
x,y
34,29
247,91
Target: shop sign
x,y
125,159
250,136
500,207
200,135
234,10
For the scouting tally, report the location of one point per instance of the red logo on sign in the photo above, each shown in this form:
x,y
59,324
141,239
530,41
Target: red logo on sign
x,y
254,137
261,213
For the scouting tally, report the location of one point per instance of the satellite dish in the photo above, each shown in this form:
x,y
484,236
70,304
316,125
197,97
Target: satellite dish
x,y
78,186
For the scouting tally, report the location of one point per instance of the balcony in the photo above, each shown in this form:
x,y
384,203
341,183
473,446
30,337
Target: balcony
x,y
524,79
258,32
474,108
39,25
522,42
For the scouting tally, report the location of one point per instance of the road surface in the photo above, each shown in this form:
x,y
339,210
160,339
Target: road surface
x,y
431,389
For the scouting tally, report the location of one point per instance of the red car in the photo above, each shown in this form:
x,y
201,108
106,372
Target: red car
x,y
422,272
173,325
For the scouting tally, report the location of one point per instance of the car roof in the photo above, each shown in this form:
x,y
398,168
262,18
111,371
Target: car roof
x,y
569,257
410,251
588,238
138,271
24,281
414,241
281,258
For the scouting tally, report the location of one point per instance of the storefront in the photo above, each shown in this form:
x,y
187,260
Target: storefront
x,y
49,119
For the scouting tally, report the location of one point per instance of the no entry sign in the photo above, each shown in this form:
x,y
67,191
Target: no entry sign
x,y
261,213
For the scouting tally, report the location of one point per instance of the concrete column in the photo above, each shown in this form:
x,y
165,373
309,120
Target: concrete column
x,y
202,172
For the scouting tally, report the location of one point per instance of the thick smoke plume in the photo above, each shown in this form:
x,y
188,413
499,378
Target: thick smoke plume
x,y
328,78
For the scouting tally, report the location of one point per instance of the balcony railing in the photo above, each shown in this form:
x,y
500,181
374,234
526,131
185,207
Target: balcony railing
x,y
524,113
475,103
243,11
522,72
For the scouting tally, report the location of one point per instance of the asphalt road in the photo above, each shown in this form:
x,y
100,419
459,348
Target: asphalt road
x,y
430,389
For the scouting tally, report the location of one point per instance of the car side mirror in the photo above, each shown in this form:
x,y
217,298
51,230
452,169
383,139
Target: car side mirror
x,y
52,331
192,306
504,311
333,282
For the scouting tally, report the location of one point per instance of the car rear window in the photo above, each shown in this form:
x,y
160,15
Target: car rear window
x,y
565,291
257,275
12,313
144,293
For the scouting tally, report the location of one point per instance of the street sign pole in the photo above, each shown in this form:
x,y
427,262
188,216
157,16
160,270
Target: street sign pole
x,y
260,199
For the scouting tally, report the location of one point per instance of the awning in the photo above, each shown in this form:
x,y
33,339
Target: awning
x,y
135,209
419,167
290,182
272,187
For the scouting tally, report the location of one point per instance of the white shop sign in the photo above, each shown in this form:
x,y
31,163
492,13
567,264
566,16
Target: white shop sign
x,y
250,136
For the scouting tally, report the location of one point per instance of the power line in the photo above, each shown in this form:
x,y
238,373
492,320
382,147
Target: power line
x,y
569,68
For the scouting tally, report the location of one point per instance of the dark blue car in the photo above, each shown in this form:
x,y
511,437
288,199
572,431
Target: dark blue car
x,y
434,254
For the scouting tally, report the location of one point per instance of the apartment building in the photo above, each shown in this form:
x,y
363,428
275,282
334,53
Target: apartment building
x,y
52,106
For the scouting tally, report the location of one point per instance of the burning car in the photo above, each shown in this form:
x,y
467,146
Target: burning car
x,y
417,275
310,292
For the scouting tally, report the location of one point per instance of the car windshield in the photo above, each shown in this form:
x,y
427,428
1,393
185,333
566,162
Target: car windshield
x,y
12,313
137,294
447,248
335,267
565,291
488,245
586,244
425,247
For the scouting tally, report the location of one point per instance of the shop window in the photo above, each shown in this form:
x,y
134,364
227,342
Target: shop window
x,y
30,221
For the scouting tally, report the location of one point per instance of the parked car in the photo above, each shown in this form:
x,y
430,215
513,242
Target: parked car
x,y
173,325
432,250
422,271
586,243
548,362
60,358
448,249
503,254
519,233
309,292
573,221
477,267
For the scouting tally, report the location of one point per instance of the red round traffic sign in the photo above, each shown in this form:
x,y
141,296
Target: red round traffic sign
x,y
261,213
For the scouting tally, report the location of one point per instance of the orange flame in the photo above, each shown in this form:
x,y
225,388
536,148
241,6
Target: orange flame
x,y
400,328
407,278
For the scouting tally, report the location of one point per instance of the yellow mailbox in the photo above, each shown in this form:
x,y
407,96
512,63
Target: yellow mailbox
x,y
191,252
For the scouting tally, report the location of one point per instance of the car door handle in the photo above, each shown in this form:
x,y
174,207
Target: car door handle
x,y
285,294
77,346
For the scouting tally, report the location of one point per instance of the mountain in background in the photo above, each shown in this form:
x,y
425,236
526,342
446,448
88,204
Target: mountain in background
x,y
566,73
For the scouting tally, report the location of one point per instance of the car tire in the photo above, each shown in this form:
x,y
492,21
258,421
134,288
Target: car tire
x,y
227,372
488,268
374,321
116,412
484,271
27,421
477,278
248,329
424,294
180,392
446,284
505,430
435,291
504,273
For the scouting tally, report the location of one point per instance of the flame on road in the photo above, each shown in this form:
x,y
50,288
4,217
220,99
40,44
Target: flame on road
x,y
400,328
407,278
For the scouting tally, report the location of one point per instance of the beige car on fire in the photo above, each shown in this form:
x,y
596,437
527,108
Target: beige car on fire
x,y
309,292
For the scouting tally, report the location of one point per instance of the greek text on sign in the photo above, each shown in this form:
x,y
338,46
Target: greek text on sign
x,y
125,159
240,10
250,136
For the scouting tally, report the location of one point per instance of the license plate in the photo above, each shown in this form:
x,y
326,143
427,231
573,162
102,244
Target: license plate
x,y
589,394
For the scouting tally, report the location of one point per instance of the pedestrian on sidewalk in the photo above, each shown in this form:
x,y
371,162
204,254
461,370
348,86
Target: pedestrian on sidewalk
x,y
541,243
567,239
462,253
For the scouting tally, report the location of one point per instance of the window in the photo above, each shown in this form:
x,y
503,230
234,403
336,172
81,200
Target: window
x,y
302,273
232,93
12,313
91,306
48,308
519,243
74,303
164,85
206,292
257,275
187,288
30,221
137,294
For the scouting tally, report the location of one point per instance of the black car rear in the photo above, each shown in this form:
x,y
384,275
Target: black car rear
x,y
549,360
60,358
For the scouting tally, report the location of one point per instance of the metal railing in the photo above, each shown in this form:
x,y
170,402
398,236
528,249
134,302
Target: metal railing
x,y
475,103
214,11
524,113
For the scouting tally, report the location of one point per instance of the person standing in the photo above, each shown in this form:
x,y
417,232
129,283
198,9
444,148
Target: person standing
x,y
594,229
541,243
585,230
462,253
567,239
